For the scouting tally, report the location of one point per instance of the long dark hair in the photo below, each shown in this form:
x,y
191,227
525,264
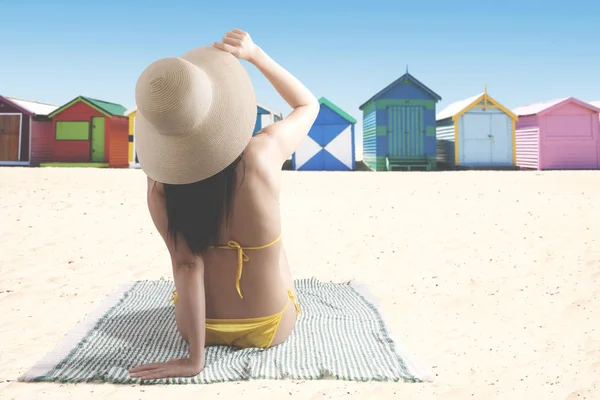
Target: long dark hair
x,y
196,211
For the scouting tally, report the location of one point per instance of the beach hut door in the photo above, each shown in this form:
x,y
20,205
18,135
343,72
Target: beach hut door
x,y
97,139
477,139
501,139
406,131
10,132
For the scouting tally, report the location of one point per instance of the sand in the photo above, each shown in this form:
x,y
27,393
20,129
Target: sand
x,y
490,278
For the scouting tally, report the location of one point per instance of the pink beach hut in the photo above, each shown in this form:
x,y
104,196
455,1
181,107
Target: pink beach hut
x,y
558,134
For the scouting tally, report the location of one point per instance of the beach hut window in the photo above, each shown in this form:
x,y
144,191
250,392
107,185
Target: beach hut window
x,y
72,130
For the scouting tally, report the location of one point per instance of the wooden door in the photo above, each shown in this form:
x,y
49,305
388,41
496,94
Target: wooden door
x,y
10,135
97,139
406,131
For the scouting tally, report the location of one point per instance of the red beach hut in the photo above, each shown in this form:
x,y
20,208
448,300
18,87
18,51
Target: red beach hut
x,y
89,132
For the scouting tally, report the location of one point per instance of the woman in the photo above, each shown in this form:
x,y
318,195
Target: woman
x,y
213,195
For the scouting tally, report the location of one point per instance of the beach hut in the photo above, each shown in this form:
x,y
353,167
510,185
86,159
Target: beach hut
x,y
476,132
558,134
89,132
131,153
21,122
265,116
399,126
329,145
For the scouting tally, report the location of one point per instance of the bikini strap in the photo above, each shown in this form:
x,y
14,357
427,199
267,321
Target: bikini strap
x,y
294,300
243,257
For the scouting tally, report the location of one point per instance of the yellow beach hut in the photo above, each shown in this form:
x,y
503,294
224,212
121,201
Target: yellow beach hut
x,y
133,161
476,132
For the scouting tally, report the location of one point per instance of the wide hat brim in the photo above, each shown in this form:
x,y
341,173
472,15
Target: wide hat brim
x,y
223,135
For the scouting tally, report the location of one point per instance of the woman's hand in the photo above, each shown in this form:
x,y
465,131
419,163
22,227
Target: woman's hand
x,y
175,368
238,43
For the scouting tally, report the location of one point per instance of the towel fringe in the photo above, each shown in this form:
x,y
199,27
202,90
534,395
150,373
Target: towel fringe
x,y
416,368
74,336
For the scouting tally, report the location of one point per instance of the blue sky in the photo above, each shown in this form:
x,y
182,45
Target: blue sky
x,y
525,51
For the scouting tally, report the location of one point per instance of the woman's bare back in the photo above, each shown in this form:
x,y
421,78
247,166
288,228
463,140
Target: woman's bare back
x,y
255,221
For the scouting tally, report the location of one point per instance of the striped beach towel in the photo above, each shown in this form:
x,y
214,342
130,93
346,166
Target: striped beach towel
x,y
340,334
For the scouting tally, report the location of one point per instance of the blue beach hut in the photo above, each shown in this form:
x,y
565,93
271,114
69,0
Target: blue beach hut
x,y
399,126
330,144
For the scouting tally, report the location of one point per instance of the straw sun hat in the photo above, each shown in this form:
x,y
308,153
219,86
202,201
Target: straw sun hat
x,y
195,115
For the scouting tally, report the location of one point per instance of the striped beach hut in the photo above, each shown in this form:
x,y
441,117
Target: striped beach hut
x,y
399,126
558,134
89,132
476,132
265,116
329,145
23,123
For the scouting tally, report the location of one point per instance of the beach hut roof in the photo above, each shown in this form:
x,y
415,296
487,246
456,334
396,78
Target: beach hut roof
x,y
30,107
337,110
262,109
595,103
460,107
107,108
404,78
547,106
452,109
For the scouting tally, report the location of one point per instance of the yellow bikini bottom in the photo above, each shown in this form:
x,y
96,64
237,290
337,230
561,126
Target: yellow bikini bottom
x,y
247,332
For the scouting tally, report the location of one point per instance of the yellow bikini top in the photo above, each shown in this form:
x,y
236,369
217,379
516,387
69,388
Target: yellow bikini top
x,y
243,257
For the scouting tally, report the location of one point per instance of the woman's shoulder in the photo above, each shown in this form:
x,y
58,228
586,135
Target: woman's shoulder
x,y
260,154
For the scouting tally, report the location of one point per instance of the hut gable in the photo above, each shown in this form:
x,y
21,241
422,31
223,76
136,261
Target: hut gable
x,y
405,87
28,107
548,107
8,106
103,107
330,113
481,100
35,108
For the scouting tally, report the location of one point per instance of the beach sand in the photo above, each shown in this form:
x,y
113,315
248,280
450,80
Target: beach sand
x,y
490,278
